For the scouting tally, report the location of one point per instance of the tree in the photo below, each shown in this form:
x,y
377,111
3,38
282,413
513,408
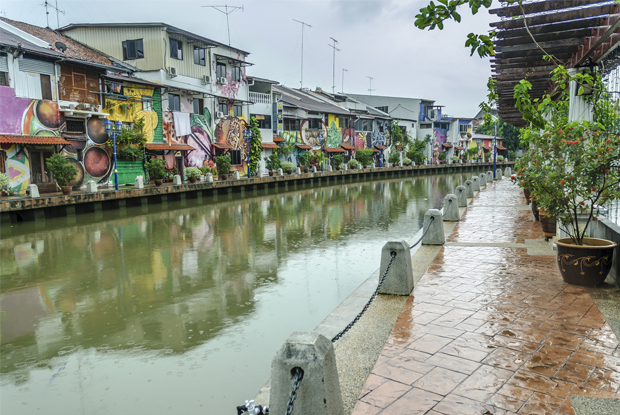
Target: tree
x,y
255,145
509,133
396,133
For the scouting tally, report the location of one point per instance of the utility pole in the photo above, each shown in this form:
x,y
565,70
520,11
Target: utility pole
x,y
370,88
227,12
334,63
343,71
302,51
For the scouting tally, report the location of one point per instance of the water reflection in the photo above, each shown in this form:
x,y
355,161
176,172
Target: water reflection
x,y
216,286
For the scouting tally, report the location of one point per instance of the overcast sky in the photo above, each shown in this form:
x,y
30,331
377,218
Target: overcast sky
x,y
376,39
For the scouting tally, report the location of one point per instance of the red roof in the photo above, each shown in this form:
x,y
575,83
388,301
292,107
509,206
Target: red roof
x,y
222,146
381,147
501,147
164,146
447,145
459,148
277,139
304,147
374,150
33,140
347,147
399,146
270,145
487,148
335,150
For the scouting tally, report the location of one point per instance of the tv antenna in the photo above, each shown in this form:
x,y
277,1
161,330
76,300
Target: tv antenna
x,y
226,12
302,50
370,88
343,71
47,13
334,63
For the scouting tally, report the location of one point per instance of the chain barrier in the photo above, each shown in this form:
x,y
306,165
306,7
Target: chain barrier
x,y
424,234
446,210
252,409
372,297
298,376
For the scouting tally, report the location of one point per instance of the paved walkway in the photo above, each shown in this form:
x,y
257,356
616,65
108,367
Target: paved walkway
x,y
492,329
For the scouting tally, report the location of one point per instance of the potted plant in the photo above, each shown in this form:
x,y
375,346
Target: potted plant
x,y
406,161
500,158
287,166
168,176
353,163
364,156
394,158
156,169
4,184
442,156
338,160
454,159
63,171
304,159
193,174
272,163
223,166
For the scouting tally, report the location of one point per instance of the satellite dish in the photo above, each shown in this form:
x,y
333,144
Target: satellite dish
x,y
60,46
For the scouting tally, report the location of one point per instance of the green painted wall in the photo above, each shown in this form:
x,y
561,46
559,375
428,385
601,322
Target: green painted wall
x,y
158,133
128,170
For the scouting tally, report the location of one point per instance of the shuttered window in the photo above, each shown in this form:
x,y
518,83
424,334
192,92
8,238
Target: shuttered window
x,y
4,65
36,66
46,87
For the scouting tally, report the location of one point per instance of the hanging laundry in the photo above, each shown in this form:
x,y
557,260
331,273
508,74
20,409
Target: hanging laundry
x,y
170,160
182,124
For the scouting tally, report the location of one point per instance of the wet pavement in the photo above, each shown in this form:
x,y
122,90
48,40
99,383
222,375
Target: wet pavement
x,y
491,328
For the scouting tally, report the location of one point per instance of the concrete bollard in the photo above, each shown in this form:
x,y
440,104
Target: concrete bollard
x,y
460,161
313,169
91,186
507,172
139,182
475,180
451,209
490,176
328,168
435,235
236,175
33,190
319,389
279,172
483,180
344,167
297,170
461,195
399,280
498,174
176,180
469,188
209,178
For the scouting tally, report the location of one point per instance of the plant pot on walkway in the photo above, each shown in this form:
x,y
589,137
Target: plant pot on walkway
x,y
66,190
270,173
547,223
158,182
193,179
535,210
526,193
585,265
223,177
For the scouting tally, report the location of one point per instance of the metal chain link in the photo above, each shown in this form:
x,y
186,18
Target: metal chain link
x,y
424,234
299,374
449,201
372,297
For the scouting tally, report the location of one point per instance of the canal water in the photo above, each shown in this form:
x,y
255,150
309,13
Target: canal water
x,y
181,310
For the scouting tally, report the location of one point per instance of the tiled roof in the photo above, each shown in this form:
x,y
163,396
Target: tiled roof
x,y
446,145
277,139
304,146
347,147
270,145
74,49
222,146
32,140
164,146
334,150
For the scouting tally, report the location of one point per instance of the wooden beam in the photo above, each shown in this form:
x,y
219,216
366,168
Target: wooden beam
x,y
507,69
550,28
544,37
554,44
521,75
592,44
556,17
564,51
530,60
541,6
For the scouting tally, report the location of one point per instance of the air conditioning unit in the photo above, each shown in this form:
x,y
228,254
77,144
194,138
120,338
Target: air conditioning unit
x,y
221,81
172,71
206,79
219,114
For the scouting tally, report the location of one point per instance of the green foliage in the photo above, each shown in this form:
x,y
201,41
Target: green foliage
x,y
304,159
442,155
272,162
156,168
396,133
394,157
364,156
509,133
193,172
205,170
406,161
353,163
62,169
4,181
287,166
500,158
130,137
255,145
454,158
287,150
130,154
338,160
512,154
222,164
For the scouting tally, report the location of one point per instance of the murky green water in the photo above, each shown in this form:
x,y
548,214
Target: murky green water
x,y
182,310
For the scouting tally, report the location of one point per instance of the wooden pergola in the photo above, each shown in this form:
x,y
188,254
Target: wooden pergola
x,y
576,32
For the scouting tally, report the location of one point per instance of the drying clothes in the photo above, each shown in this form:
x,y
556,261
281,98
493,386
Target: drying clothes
x,y
182,124
170,160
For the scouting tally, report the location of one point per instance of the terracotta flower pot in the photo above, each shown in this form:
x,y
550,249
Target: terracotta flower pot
x,y
271,173
526,193
66,190
586,265
547,223
159,182
305,170
223,177
193,179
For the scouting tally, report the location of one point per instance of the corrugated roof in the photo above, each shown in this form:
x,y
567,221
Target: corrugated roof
x,y
32,140
175,147
74,50
304,146
347,147
132,80
334,150
306,101
222,146
277,139
13,40
270,145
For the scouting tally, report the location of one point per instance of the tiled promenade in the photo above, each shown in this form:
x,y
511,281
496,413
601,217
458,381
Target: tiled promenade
x,y
492,329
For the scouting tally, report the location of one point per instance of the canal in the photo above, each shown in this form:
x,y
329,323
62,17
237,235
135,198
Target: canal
x,y
181,310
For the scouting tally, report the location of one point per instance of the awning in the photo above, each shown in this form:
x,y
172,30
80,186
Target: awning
x,y
304,147
334,150
277,139
400,147
348,147
487,148
222,146
459,148
374,150
447,145
381,147
76,137
33,140
131,80
231,60
501,148
164,146
270,145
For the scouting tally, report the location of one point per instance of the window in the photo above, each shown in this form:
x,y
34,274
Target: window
x,y
199,56
365,125
4,78
314,123
235,157
46,87
174,102
237,111
235,73
291,124
264,121
176,49
223,108
381,128
425,125
384,109
133,49
147,103
463,128
74,125
343,122
199,106
220,70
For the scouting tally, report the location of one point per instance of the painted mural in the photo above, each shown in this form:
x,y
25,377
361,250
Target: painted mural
x,y
200,139
378,136
334,132
229,130
128,110
312,137
439,139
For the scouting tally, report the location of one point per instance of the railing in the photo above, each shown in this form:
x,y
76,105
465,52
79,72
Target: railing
x,y
260,98
611,211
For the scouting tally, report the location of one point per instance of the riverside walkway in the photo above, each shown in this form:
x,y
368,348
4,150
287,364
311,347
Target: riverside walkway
x,y
491,329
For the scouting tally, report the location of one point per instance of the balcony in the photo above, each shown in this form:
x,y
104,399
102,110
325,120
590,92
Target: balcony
x,y
259,98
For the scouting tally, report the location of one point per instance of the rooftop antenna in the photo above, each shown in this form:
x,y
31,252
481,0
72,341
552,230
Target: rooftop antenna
x,y
47,13
302,50
334,63
370,89
343,71
226,12
58,11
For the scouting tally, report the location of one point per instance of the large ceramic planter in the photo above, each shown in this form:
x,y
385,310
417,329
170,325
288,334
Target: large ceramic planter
x,y
526,193
223,177
270,173
159,182
193,179
535,209
547,223
586,265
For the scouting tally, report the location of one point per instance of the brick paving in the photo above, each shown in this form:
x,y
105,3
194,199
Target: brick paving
x,y
492,330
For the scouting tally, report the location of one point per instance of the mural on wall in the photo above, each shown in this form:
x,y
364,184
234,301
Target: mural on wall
x,y
380,133
230,88
439,139
229,130
334,133
200,139
361,138
132,109
17,167
311,136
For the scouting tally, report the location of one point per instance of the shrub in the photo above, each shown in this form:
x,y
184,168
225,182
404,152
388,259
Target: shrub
x,y
223,164
272,162
156,168
4,181
62,169
500,158
304,159
442,155
352,163
193,172
454,158
407,161
394,158
338,160
364,156
287,165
